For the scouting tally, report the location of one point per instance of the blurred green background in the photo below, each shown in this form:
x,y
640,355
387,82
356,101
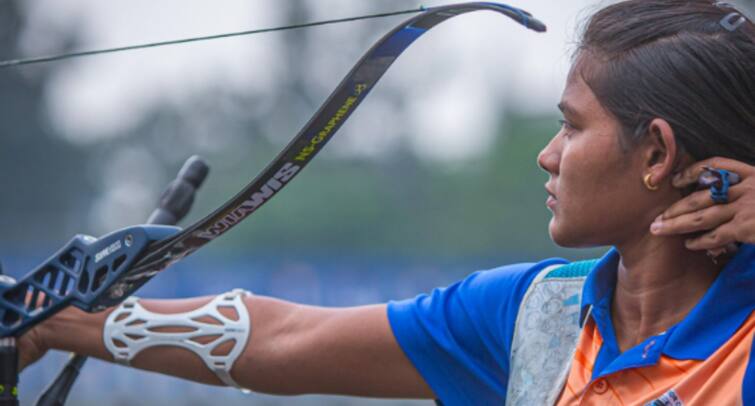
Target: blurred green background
x,y
486,205
433,177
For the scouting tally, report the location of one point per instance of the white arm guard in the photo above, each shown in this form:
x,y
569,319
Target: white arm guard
x,y
131,328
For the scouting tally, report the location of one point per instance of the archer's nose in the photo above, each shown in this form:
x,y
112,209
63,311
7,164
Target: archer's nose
x,y
550,157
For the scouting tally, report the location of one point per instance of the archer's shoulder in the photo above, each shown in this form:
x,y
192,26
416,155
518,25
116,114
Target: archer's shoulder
x,y
514,273
509,281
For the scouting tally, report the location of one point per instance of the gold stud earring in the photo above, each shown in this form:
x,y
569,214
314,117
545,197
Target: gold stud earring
x,y
648,183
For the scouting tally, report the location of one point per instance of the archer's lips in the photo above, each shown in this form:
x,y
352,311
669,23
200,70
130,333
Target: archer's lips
x,y
549,189
551,197
551,202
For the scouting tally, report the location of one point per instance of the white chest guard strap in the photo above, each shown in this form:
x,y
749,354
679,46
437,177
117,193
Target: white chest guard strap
x,y
131,328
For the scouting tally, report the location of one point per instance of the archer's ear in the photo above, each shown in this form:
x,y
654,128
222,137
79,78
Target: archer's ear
x,y
661,152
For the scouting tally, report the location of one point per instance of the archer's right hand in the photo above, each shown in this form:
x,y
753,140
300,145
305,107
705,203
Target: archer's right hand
x,y
31,347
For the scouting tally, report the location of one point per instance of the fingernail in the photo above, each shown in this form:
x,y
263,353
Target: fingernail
x,y
656,226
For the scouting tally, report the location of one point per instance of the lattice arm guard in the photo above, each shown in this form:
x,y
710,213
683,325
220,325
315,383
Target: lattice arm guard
x,y
131,328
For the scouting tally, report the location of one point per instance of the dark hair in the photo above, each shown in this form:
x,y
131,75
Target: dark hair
x,y
673,59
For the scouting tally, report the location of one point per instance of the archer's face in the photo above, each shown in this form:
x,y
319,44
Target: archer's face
x,y
595,187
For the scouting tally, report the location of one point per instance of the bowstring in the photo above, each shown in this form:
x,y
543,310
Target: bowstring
x,y
57,57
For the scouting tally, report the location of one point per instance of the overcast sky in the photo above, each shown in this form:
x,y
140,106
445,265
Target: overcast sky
x,y
454,82
444,97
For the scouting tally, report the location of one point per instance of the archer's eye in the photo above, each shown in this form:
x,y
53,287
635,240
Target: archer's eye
x,y
566,127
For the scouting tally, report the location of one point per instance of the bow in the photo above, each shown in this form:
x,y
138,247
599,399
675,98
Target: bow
x,y
307,144
132,256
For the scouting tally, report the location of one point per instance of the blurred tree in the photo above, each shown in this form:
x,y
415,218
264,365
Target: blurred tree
x,y
44,187
397,206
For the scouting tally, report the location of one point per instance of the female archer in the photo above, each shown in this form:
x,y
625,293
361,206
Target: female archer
x,y
655,159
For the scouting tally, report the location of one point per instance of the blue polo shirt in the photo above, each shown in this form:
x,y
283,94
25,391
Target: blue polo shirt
x,y
459,337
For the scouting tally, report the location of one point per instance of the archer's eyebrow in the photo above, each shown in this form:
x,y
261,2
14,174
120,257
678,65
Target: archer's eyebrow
x,y
568,110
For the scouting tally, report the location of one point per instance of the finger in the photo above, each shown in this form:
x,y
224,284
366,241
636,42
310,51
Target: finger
x,y
690,174
29,349
716,238
698,201
700,220
727,249
716,252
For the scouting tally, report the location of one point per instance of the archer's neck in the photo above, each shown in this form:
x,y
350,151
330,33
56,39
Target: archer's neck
x,y
659,281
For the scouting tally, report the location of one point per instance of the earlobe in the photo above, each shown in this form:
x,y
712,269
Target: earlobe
x,y
648,180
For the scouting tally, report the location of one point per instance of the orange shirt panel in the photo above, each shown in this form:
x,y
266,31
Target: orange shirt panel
x,y
714,381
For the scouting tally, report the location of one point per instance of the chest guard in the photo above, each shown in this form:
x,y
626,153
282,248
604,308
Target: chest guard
x,y
546,333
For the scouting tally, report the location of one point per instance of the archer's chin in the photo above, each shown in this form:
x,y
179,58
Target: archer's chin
x,y
561,235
